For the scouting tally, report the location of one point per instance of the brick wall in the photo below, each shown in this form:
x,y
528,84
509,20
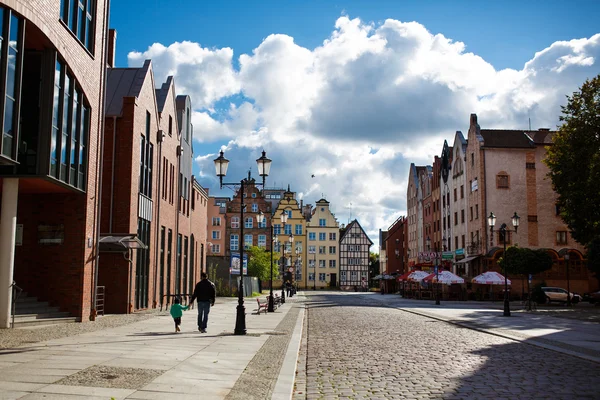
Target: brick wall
x,y
68,268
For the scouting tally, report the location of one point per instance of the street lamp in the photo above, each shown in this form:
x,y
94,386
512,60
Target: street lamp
x,y
315,269
503,232
297,265
291,241
264,166
261,219
568,283
436,269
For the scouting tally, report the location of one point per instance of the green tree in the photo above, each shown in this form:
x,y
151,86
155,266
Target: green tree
x,y
259,263
574,164
373,264
522,261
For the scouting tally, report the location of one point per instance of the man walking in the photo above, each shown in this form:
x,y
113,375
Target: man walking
x,y
205,293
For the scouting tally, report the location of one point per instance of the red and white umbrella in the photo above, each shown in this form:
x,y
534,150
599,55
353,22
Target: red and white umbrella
x,y
445,277
417,276
490,278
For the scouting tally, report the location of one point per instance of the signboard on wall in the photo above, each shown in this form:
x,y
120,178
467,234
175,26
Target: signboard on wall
x,y
234,267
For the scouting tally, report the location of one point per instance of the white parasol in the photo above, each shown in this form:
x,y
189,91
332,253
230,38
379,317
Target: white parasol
x,y
490,278
445,277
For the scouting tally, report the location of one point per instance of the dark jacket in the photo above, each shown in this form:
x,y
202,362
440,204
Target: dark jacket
x,y
204,291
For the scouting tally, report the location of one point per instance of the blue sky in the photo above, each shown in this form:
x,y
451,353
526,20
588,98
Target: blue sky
x,y
352,92
505,33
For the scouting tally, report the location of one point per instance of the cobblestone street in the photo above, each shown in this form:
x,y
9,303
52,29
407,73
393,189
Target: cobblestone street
x,y
358,349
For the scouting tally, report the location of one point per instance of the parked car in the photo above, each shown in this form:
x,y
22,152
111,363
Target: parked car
x,y
559,295
593,298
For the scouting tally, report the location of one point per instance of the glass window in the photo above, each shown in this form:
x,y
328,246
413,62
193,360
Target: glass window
x,y
331,263
312,249
312,236
321,263
248,222
79,15
322,236
288,229
247,241
331,249
277,229
332,236
216,221
262,241
216,248
254,206
311,276
235,222
298,229
216,234
322,222
321,249
322,277
234,242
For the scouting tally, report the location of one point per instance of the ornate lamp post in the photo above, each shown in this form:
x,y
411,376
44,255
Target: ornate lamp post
x,y
284,218
503,232
568,283
261,219
315,269
264,166
436,270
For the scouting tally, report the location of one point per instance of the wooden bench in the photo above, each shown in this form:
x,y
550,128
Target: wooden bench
x,y
261,306
276,300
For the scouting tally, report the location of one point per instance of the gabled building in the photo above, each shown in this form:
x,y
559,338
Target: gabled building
x,y
152,205
355,248
294,262
52,67
323,254
506,174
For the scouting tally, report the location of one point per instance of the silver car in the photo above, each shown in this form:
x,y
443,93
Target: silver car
x,y
559,295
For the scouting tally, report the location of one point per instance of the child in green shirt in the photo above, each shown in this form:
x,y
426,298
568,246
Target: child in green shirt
x,y
177,312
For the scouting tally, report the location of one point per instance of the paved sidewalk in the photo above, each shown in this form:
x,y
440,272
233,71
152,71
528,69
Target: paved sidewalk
x,y
569,336
147,360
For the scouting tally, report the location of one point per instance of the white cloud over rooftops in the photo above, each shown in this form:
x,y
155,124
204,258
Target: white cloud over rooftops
x,y
358,109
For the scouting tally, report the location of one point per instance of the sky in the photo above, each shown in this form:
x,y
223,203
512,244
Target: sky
x,y
344,95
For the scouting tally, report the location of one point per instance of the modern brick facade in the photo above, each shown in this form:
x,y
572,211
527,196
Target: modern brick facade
x,y
149,191
58,81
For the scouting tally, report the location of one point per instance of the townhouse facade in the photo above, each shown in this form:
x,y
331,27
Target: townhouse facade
x,y
355,248
323,247
293,253
52,99
499,171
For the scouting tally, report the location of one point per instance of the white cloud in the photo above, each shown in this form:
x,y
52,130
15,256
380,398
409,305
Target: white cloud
x,y
356,110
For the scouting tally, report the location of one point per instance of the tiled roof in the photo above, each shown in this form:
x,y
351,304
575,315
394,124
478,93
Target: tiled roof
x,y
123,82
503,138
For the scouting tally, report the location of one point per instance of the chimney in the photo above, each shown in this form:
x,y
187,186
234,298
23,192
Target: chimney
x,y
110,50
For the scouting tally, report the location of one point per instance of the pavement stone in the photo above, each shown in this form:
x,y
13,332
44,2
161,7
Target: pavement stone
x,y
189,364
356,343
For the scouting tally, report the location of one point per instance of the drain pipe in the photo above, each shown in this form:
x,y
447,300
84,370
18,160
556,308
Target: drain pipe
x,y
98,195
112,178
161,138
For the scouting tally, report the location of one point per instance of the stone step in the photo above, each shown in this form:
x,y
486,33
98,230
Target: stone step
x,y
29,317
44,321
25,299
40,308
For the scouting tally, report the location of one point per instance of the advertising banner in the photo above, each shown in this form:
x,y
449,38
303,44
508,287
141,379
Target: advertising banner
x,y
234,267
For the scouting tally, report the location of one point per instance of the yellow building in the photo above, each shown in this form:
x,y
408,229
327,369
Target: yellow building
x,y
294,227
323,233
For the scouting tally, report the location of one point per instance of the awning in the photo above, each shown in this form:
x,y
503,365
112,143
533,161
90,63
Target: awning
x,y
119,243
466,260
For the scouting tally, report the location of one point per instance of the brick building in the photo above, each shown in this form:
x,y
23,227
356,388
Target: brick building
x,y
153,210
52,98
